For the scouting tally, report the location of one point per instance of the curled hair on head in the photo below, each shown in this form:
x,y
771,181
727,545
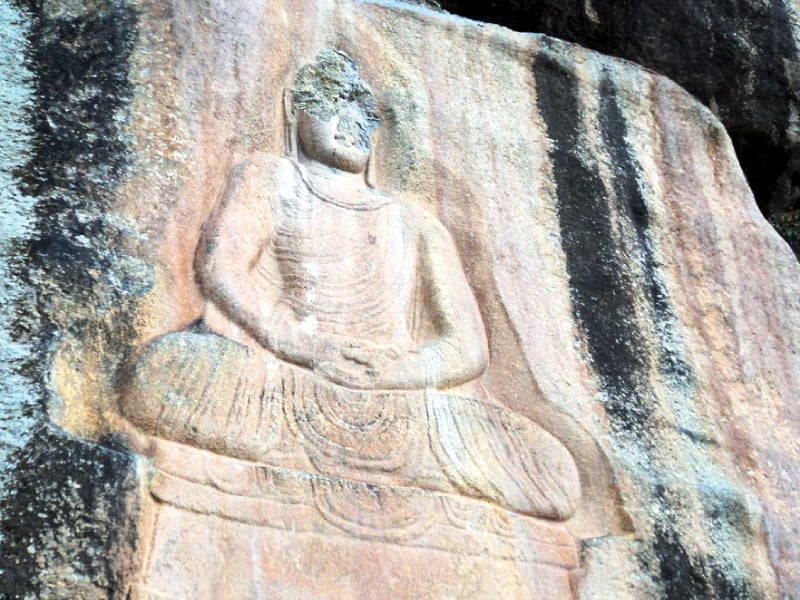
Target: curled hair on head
x,y
331,86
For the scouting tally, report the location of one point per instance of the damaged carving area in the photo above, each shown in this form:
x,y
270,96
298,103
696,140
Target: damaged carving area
x,y
428,305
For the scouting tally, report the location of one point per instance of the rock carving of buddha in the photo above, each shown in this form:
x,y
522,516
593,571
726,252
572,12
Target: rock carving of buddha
x,y
340,337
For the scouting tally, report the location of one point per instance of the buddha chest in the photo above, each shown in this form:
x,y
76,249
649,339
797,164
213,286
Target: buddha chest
x,y
349,267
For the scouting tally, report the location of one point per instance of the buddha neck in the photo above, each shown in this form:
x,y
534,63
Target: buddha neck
x,y
340,188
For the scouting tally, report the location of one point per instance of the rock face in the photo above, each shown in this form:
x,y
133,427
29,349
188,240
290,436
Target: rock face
x,y
536,339
739,57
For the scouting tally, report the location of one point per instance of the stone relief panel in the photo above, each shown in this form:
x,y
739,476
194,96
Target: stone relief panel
x,y
490,336
333,383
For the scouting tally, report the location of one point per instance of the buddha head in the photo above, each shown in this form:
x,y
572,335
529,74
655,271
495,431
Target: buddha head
x,y
334,112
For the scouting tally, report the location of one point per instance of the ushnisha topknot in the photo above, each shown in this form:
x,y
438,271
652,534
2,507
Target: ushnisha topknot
x,y
331,86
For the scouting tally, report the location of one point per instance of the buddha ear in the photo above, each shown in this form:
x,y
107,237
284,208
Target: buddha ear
x,y
369,171
290,129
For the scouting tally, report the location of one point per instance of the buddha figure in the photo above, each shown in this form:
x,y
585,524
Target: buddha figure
x,y
340,338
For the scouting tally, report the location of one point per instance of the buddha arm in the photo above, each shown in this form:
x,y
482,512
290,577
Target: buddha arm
x,y
233,241
459,352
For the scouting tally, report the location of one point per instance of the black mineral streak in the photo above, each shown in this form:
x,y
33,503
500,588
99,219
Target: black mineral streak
x,y
69,510
599,281
604,274
630,202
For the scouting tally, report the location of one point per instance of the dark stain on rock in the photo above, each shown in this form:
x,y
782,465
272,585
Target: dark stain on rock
x,y
685,576
731,54
682,574
81,94
630,203
626,317
69,511
80,154
70,521
600,286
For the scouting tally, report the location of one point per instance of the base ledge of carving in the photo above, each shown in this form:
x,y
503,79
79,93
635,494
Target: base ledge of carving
x,y
260,495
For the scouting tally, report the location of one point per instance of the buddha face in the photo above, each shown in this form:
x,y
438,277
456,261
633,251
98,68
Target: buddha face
x,y
331,143
336,112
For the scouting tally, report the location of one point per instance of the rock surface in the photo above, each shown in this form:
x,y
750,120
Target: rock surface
x,y
637,305
738,57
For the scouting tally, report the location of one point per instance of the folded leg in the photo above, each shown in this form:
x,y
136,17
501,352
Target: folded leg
x,y
492,453
206,391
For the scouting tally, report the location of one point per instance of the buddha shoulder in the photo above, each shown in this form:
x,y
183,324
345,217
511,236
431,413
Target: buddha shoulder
x,y
265,168
260,179
426,227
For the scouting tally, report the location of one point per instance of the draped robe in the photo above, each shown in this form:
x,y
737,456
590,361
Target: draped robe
x,y
371,269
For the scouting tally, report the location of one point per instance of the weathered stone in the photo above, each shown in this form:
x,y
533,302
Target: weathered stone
x,y
588,215
739,57
71,520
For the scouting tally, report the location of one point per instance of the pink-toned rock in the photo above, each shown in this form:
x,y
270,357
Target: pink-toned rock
x,y
540,344
329,395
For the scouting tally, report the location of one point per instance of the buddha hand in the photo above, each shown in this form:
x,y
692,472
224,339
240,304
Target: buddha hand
x,y
361,365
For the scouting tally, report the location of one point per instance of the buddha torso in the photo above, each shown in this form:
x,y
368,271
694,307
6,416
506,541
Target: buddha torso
x,y
344,266
357,267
